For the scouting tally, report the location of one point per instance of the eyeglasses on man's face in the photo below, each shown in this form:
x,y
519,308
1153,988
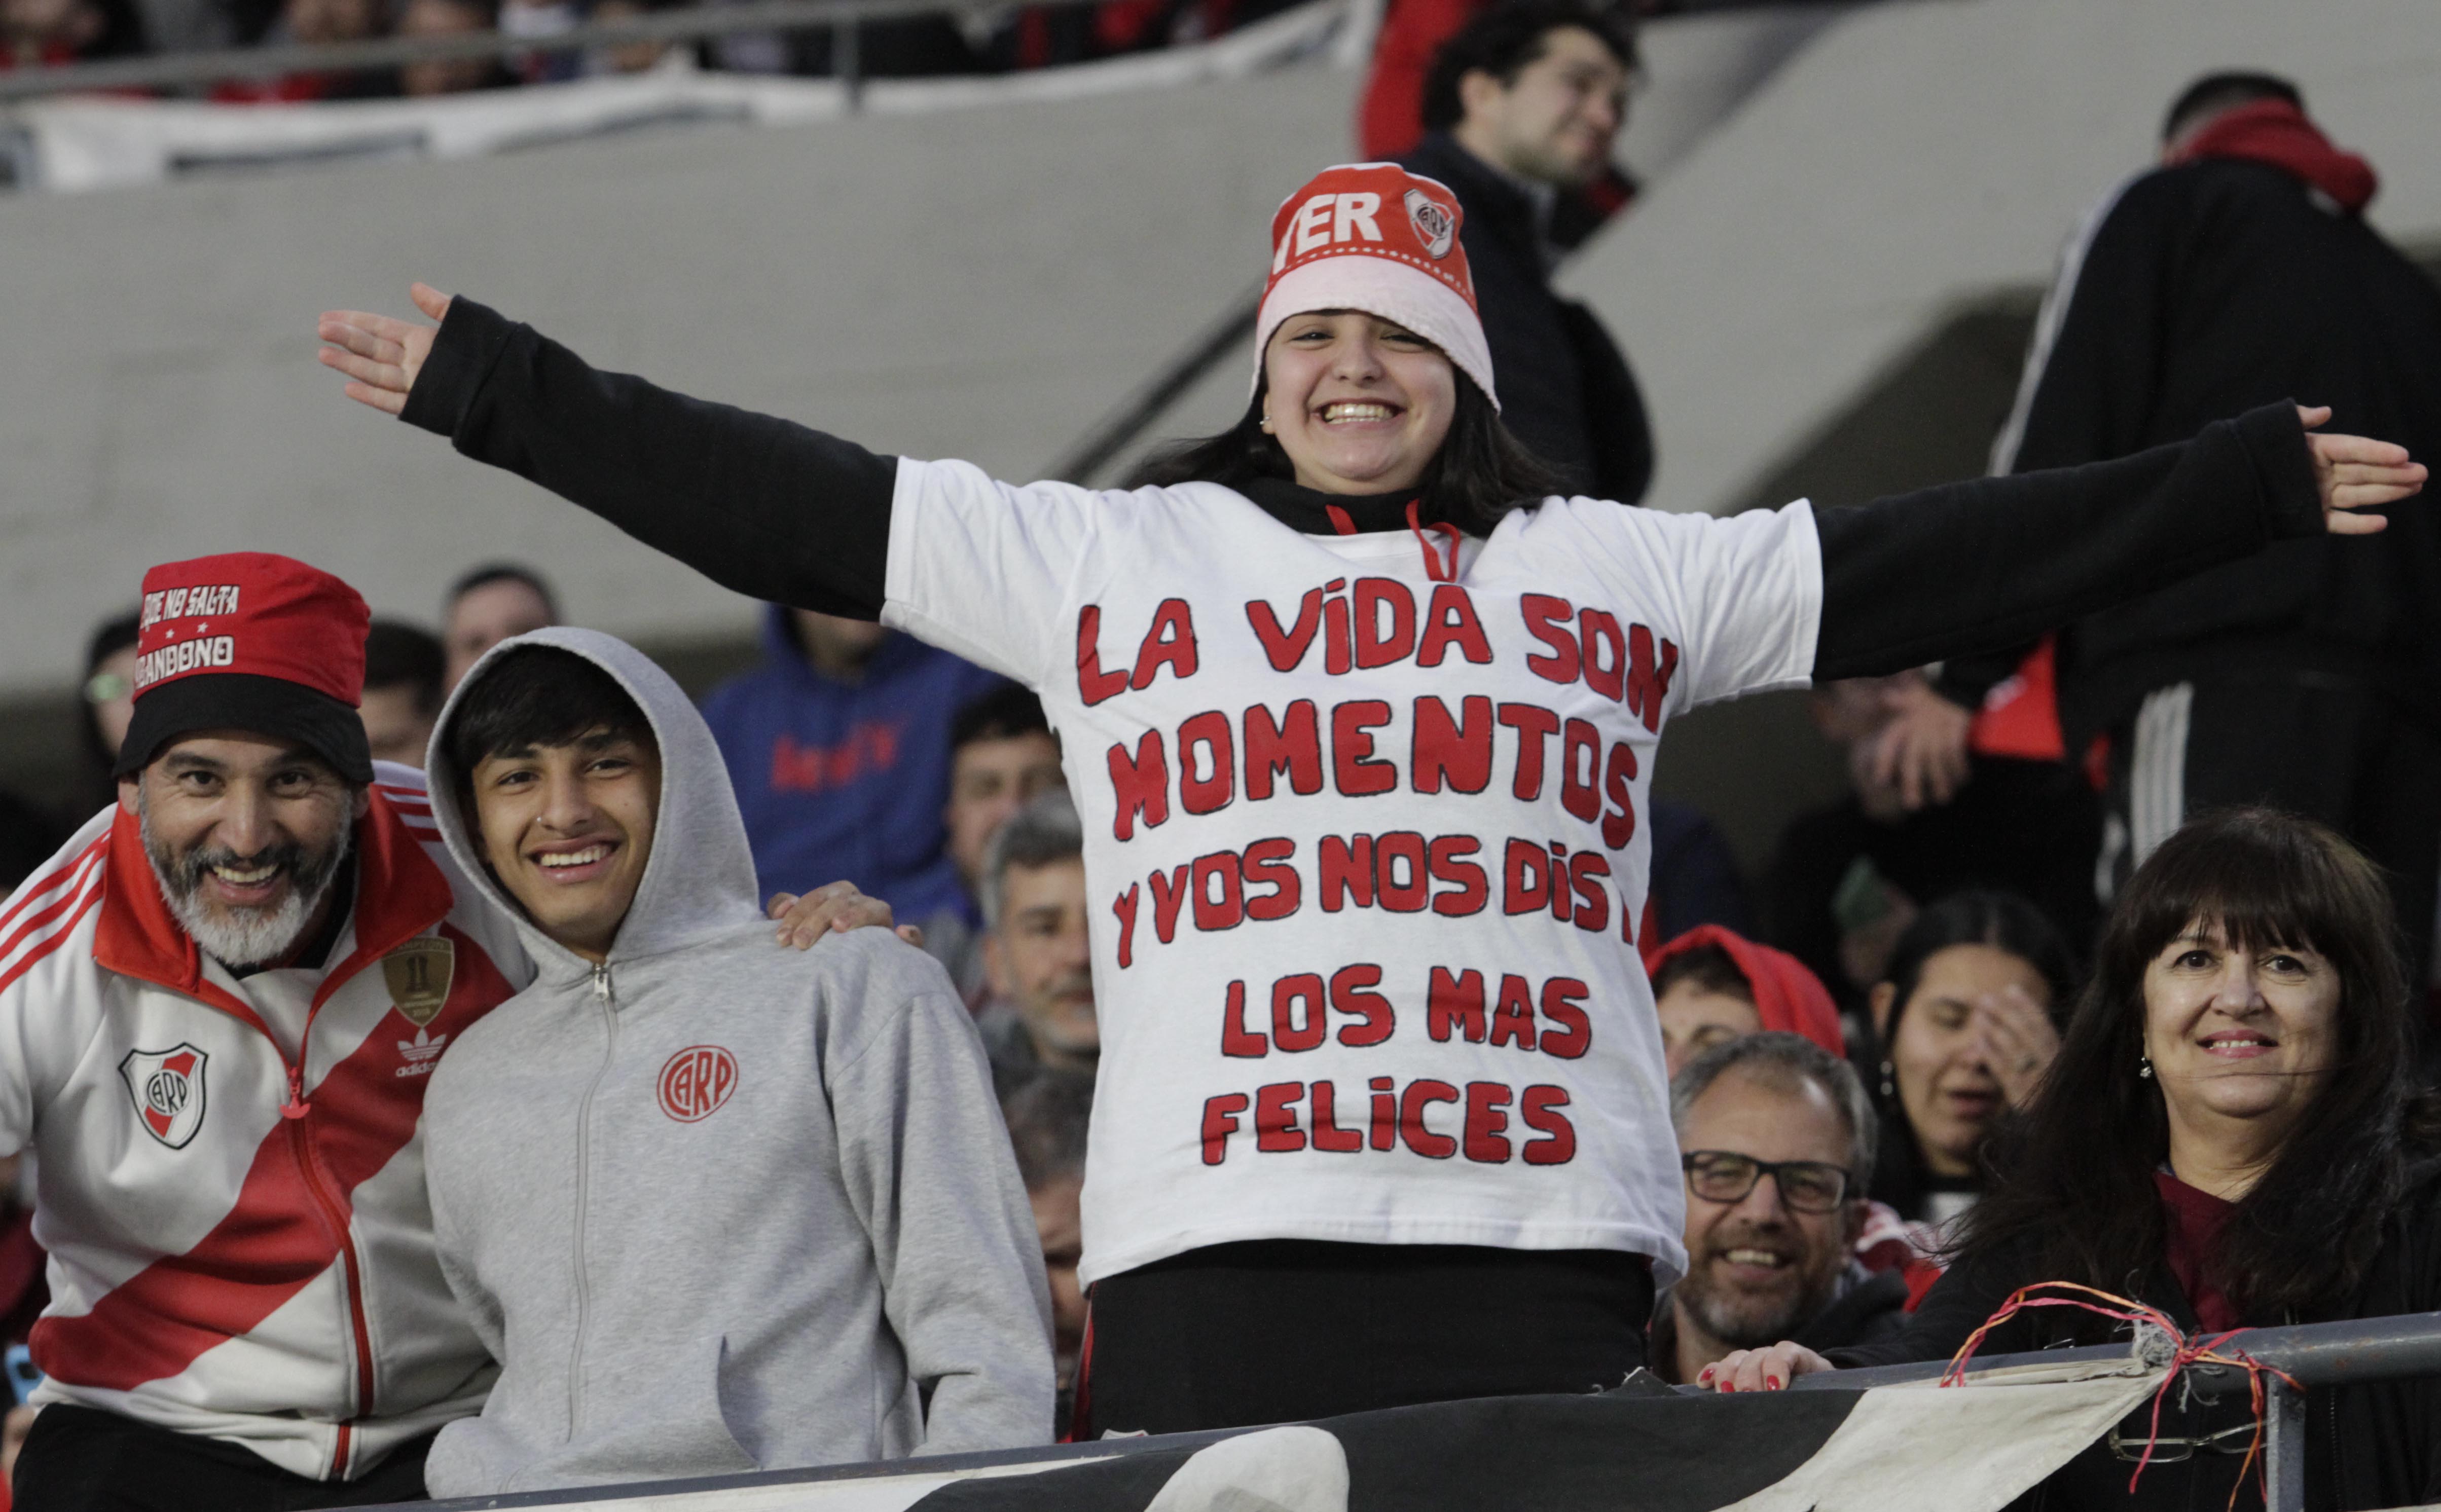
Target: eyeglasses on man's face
x,y
1806,1186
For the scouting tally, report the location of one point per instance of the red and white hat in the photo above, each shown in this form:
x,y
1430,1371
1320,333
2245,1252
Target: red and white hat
x,y
252,642
1376,238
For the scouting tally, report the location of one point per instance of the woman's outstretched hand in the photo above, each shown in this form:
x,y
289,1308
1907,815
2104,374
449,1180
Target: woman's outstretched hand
x,y
2356,473
1767,1369
381,356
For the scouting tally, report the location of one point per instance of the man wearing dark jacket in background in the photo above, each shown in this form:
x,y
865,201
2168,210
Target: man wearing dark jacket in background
x,y
1522,108
2242,270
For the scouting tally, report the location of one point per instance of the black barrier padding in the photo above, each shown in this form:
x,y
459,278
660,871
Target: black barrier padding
x,y
1611,1452
1122,1485
1606,1454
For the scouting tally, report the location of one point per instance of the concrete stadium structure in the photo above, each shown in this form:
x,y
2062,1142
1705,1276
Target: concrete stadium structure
x,y
1825,291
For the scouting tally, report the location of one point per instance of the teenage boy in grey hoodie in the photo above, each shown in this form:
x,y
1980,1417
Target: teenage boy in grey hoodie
x,y
713,1207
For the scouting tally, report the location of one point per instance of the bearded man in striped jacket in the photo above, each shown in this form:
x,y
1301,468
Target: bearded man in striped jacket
x,y
220,1006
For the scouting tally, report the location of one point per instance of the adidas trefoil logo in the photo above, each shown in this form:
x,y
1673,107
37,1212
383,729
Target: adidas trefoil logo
x,y
420,1052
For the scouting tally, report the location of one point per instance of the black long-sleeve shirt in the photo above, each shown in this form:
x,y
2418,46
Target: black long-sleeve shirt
x,y
780,512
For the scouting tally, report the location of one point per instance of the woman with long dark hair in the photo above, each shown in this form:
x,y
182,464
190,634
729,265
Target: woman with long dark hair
x,y
2231,1133
1360,721
1965,1019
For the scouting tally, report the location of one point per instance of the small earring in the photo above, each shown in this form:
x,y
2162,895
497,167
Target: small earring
x,y
1265,426
2144,1067
1889,1081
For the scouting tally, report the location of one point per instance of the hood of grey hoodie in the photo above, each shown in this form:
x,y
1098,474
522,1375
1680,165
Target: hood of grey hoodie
x,y
698,883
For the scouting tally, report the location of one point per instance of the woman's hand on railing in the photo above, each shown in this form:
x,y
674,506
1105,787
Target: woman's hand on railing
x,y
2357,473
1769,1369
380,355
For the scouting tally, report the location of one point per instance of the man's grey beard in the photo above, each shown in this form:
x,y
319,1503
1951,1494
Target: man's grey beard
x,y
1744,1329
241,936
1757,1324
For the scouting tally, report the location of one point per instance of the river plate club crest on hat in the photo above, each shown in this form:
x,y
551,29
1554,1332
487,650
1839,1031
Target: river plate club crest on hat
x,y
167,1086
1435,228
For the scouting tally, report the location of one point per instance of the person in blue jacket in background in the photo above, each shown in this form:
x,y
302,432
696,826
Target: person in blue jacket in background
x,y
839,747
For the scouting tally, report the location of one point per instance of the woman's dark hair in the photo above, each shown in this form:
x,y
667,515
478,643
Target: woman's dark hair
x,y
1504,39
2074,1178
534,697
2001,919
1480,474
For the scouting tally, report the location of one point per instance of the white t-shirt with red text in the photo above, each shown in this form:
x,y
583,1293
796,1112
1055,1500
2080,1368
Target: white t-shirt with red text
x,y
1365,841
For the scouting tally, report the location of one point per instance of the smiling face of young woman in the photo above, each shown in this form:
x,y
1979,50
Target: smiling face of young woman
x,y
1360,404
2241,1042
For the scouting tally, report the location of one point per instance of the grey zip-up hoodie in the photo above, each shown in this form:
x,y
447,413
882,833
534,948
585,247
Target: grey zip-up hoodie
x,y
717,1205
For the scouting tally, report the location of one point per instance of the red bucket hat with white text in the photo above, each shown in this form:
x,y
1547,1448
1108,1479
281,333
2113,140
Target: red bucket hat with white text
x,y
255,642
1376,238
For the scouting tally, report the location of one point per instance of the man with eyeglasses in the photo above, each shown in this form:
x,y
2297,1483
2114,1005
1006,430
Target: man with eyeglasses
x,y
1776,1135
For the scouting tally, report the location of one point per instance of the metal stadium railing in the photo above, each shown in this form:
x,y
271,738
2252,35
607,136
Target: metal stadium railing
x,y
2336,1354
2315,1354
182,70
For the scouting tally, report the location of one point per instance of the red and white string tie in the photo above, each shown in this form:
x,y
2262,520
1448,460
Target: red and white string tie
x,y
2200,1349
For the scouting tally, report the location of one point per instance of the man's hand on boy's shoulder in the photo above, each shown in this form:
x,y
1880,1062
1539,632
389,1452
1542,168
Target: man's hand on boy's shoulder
x,y
834,909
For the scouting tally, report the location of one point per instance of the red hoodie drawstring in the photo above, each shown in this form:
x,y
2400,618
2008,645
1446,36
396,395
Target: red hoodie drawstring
x,y
1434,567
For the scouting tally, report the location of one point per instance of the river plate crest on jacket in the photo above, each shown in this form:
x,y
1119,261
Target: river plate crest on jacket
x,y
417,974
167,1086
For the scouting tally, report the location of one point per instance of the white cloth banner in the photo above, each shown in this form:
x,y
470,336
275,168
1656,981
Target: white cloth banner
x,y
1976,1447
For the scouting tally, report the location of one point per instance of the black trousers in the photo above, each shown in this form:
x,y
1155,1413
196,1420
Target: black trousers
x,y
1279,1331
78,1459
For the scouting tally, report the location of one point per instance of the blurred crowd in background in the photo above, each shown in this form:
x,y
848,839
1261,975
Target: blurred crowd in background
x,y
982,40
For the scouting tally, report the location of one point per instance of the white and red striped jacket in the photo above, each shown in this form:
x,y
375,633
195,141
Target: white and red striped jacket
x,y
239,1243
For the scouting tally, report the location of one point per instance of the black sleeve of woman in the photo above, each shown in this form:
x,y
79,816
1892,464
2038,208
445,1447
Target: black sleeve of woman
x,y
776,511
1976,566
1952,1309
766,507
